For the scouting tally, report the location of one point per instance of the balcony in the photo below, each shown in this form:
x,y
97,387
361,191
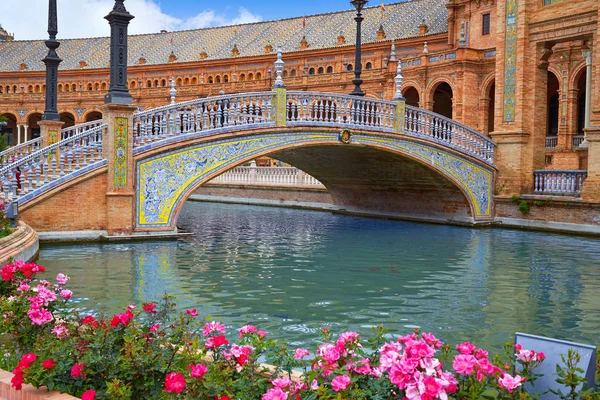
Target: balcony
x,y
558,183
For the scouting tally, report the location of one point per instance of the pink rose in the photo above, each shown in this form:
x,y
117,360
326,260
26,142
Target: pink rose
x,y
300,353
466,348
198,370
174,383
88,395
340,383
510,383
464,364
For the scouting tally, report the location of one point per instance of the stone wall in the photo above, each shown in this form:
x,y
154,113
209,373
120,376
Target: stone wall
x,y
22,244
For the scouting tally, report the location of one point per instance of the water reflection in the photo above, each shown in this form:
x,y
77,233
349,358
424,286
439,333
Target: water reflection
x,y
293,272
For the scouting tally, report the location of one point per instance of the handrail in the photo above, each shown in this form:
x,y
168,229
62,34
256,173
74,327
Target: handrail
x,y
196,101
202,115
19,151
52,162
435,127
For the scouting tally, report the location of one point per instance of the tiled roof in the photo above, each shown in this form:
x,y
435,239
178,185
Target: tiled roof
x,y
400,20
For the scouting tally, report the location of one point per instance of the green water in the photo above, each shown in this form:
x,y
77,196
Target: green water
x,y
293,272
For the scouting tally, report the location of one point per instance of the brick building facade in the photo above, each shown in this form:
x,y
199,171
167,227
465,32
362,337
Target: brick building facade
x,y
513,69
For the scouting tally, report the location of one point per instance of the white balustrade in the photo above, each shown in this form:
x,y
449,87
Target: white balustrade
x,y
551,142
203,115
267,176
15,153
562,183
577,140
429,125
47,165
314,108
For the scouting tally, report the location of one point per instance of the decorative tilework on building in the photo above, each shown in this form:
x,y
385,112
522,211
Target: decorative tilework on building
x,y
510,61
121,151
401,20
163,181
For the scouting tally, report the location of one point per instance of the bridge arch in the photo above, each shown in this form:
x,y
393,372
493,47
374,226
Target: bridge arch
x,y
450,182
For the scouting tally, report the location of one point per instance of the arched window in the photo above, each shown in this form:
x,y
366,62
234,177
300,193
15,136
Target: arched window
x,y
285,74
311,71
90,86
149,84
67,88
186,81
60,88
37,88
242,77
103,85
15,89
349,67
226,78
73,87
97,86
179,81
211,79
330,70
369,65
194,81
258,76
293,72
30,89
163,83
132,85
218,79
250,76
156,83
321,71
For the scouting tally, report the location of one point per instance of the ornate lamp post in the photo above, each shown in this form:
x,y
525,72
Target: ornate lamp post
x,y
118,19
359,5
52,60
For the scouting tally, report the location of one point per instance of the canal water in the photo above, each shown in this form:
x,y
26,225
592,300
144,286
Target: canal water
x,y
293,272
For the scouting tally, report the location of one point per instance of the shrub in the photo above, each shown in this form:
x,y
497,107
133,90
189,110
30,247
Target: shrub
x,y
153,352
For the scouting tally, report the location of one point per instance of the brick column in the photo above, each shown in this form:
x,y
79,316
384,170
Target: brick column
x,y
591,187
117,148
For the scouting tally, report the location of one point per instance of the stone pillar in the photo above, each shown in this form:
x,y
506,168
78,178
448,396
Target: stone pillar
x,y
117,148
18,134
25,129
591,187
572,100
50,132
279,108
587,54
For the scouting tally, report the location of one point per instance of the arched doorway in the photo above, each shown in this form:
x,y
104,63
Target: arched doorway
x,y
93,116
553,104
491,108
34,128
442,100
581,102
411,95
68,119
10,130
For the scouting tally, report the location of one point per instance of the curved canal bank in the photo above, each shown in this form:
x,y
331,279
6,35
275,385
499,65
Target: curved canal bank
x,y
291,272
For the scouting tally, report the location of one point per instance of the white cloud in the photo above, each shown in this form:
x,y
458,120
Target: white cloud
x,y
85,18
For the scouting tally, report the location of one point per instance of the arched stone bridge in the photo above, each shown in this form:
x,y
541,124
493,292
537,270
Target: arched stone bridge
x,y
132,172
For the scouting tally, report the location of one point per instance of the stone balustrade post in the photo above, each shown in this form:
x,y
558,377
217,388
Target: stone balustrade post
x,y
253,173
279,106
117,148
300,177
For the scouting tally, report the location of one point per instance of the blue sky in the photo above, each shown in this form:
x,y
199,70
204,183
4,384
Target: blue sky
x,y
267,9
85,18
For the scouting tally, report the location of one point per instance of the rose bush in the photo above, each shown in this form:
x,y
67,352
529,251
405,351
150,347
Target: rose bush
x,y
154,352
